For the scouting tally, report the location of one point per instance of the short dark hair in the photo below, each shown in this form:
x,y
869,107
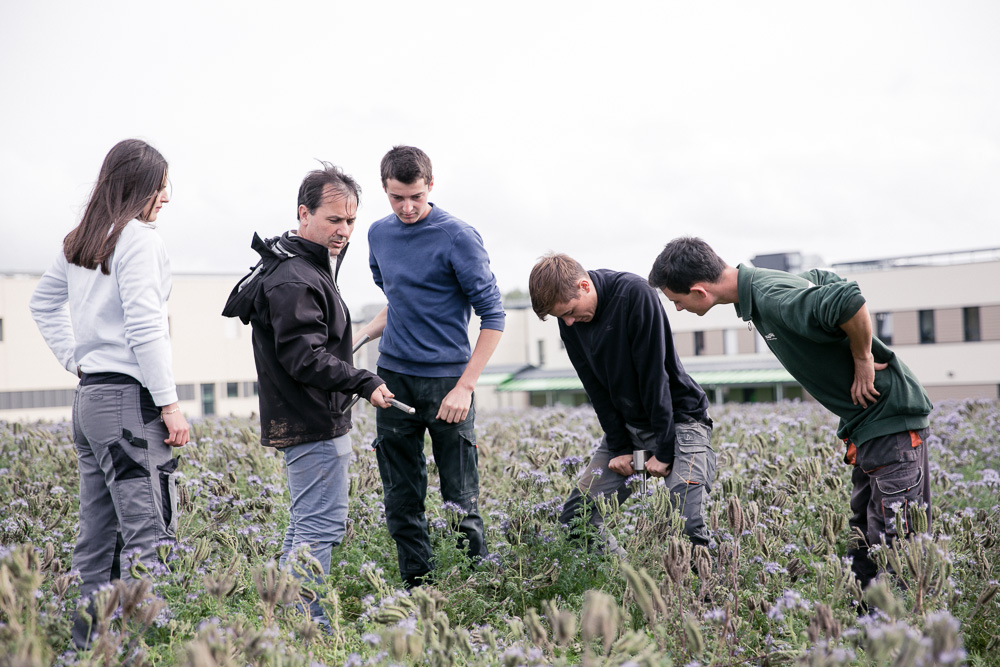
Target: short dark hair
x,y
406,164
315,182
554,281
685,261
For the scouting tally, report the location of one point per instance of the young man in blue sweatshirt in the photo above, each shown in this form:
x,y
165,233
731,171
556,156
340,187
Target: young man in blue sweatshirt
x,y
434,272
618,338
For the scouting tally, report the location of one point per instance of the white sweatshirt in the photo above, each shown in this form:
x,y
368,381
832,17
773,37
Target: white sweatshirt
x,y
116,323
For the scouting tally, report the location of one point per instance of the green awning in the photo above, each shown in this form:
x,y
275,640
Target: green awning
x,y
747,377
543,384
766,376
490,379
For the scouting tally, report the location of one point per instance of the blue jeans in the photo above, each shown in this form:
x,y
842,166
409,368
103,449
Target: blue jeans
x,y
317,474
127,482
399,446
690,480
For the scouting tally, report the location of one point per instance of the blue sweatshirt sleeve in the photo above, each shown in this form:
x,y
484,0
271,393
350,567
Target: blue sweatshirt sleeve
x,y
471,264
372,262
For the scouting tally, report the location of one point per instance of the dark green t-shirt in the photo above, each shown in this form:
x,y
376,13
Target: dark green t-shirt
x,y
799,317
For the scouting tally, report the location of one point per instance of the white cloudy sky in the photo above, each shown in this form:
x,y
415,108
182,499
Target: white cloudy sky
x,y
851,130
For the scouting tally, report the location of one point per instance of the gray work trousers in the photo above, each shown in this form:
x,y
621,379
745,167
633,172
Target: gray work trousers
x,y
689,481
318,481
891,475
127,483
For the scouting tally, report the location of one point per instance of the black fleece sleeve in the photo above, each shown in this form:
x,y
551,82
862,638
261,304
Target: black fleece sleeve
x,y
647,332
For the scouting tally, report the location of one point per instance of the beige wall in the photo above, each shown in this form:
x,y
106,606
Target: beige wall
x,y
207,348
949,366
210,349
939,393
989,321
684,343
747,340
714,342
905,327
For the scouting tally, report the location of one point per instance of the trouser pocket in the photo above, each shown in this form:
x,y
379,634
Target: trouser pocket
x,y
133,484
899,487
384,469
168,495
694,458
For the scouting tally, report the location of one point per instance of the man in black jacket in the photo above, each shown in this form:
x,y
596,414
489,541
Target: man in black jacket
x,y
303,351
618,338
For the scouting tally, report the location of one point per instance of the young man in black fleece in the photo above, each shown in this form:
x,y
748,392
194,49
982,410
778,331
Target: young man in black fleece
x,y
617,336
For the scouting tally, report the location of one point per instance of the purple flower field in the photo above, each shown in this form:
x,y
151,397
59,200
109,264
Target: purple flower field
x,y
773,588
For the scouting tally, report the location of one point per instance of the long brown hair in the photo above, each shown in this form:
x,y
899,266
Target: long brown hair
x,y
133,173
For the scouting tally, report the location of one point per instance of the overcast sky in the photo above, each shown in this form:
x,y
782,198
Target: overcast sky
x,y
850,130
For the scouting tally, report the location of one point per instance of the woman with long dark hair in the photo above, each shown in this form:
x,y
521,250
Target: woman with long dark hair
x,y
114,275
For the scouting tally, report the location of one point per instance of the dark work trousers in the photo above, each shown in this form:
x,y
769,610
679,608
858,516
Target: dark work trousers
x,y
399,446
127,482
890,478
690,481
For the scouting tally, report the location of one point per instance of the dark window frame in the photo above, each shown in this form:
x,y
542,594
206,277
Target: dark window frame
x,y
925,324
972,325
883,327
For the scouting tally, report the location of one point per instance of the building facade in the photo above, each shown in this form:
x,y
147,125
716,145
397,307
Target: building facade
x,y
940,313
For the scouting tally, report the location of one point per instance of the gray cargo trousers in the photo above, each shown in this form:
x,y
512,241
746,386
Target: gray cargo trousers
x,y
127,483
690,480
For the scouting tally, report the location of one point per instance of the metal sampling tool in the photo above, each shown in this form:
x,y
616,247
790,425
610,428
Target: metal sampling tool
x,y
399,405
639,457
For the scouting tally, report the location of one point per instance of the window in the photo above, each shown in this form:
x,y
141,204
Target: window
x,y
699,343
185,392
232,390
1,329
207,399
883,327
541,352
970,320
926,326
43,398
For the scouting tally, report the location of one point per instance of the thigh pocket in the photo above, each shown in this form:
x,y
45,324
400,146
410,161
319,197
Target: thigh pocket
x,y
694,458
133,482
168,495
383,464
468,458
900,488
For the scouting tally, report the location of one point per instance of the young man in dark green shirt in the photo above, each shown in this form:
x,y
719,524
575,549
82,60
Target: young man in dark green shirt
x,y
818,326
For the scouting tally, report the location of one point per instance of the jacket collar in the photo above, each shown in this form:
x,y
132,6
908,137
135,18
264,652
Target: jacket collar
x,y
744,290
313,252
601,289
